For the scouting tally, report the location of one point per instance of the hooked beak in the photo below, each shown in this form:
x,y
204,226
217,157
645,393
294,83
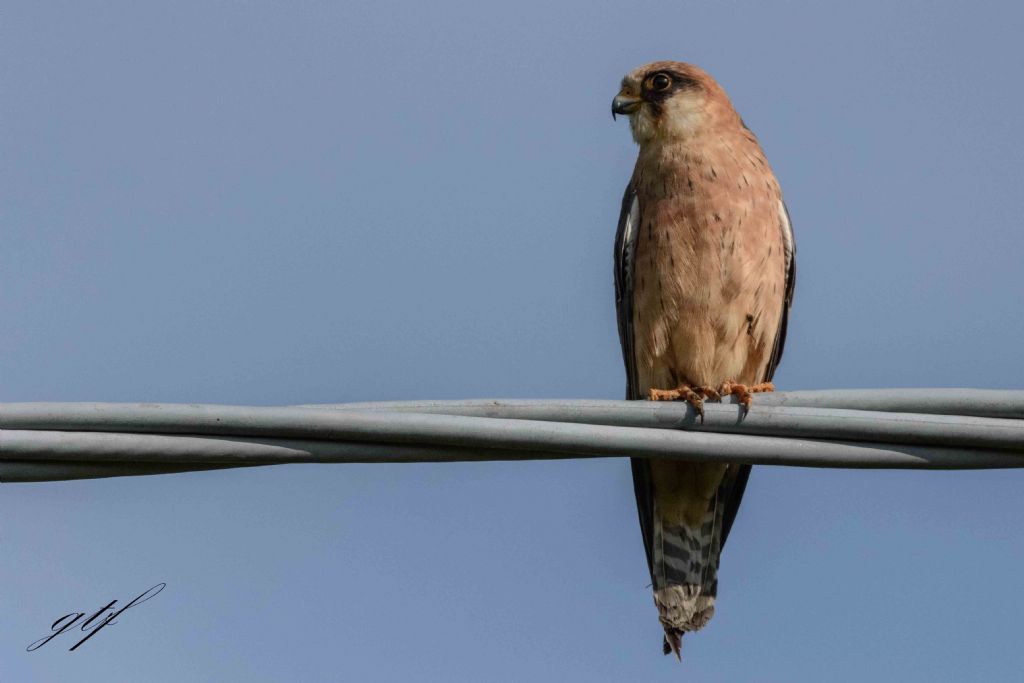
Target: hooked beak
x,y
625,104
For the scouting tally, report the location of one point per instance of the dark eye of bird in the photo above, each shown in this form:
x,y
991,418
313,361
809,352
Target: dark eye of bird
x,y
660,82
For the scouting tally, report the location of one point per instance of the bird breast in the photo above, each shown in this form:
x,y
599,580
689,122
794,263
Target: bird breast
x,y
710,265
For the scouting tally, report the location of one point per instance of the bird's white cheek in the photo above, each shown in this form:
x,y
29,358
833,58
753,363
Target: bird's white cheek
x,y
684,117
642,126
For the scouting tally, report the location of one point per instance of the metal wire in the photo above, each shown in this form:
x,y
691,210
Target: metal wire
x,y
915,428
969,402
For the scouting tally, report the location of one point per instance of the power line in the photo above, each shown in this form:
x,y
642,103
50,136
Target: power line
x,y
888,428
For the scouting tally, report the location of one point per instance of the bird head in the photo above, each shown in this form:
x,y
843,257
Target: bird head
x,y
670,101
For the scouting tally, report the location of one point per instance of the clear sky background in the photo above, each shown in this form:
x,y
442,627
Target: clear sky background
x,y
279,203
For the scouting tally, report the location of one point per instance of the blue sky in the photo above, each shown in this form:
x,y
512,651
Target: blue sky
x,y
276,203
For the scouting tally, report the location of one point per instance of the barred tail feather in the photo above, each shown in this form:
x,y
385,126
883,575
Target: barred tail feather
x,y
686,573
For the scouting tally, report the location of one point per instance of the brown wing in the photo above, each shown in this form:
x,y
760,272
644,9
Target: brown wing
x,y
625,248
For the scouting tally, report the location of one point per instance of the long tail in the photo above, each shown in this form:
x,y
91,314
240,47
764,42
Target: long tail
x,y
683,557
685,571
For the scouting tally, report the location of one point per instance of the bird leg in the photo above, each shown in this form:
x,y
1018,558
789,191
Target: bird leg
x,y
684,392
745,393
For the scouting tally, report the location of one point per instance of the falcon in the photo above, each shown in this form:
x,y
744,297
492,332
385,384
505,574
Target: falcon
x,y
704,275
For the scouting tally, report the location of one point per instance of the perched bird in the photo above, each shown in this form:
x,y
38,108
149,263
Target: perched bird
x,y
704,275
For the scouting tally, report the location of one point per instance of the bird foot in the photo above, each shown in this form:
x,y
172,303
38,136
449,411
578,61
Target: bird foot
x,y
684,392
743,392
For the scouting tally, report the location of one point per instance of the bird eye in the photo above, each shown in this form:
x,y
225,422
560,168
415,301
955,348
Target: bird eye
x,y
659,82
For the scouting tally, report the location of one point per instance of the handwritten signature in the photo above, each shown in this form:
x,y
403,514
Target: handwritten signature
x,y
71,619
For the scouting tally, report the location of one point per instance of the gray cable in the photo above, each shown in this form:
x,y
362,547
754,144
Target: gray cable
x,y
75,440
